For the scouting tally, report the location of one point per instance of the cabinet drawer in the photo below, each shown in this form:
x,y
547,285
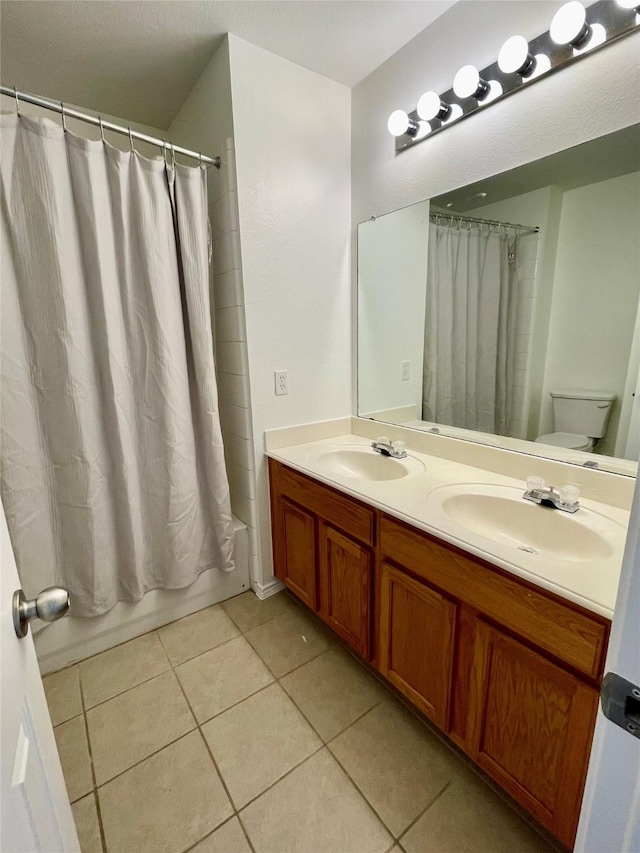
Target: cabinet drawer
x,y
341,511
566,632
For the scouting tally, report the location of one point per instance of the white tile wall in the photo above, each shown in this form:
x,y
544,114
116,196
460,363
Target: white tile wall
x,y
231,351
527,260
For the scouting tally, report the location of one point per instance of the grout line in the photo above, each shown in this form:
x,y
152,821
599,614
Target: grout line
x,y
425,809
94,790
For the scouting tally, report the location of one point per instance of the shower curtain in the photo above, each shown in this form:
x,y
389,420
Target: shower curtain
x,y
113,475
470,326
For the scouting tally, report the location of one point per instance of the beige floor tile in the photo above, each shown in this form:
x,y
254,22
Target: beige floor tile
x,y
228,839
332,691
122,667
197,633
315,809
62,690
166,803
87,826
222,677
288,641
470,818
248,611
137,723
396,762
71,739
258,741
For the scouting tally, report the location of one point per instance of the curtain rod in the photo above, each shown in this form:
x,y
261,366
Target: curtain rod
x,y
461,218
59,107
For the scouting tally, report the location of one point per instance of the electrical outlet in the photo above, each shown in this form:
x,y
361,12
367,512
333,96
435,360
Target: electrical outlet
x,y
281,378
405,371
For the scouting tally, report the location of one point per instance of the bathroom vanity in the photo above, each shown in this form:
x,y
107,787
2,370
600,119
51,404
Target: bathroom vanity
x,y
506,664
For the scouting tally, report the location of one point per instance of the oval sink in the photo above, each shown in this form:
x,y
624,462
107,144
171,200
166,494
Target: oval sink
x,y
507,519
366,464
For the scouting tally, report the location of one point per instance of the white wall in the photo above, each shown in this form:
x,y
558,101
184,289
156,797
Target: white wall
x,y
595,294
292,132
392,287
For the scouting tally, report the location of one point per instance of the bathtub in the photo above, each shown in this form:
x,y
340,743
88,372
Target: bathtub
x,y
61,643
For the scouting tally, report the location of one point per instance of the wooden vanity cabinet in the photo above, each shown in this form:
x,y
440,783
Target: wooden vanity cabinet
x,y
417,627
322,550
509,671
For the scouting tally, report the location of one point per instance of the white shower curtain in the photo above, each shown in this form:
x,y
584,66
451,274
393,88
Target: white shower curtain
x,y
470,327
113,475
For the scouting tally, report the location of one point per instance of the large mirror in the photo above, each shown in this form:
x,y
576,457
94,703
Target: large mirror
x,y
507,312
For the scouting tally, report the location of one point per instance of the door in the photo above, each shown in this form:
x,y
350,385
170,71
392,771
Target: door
x,y
610,817
345,587
36,815
530,727
417,627
294,547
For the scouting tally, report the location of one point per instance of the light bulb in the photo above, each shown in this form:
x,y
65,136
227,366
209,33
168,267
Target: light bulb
x,y
569,24
598,36
456,112
430,106
424,129
468,84
629,4
543,64
514,57
400,123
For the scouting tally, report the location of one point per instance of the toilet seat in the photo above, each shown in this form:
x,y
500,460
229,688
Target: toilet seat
x,y
568,440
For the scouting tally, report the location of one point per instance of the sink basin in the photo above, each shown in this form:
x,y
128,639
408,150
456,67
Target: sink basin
x,y
365,464
503,516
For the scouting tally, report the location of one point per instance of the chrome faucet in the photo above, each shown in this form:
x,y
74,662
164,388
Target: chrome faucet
x,y
565,498
385,447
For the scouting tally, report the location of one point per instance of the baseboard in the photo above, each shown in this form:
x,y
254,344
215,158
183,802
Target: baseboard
x,y
265,590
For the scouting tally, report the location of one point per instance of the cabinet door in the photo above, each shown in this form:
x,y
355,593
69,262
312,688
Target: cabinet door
x,y
294,550
530,727
416,641
345,578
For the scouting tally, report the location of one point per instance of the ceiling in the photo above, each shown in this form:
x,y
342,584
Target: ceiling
x,y
139,59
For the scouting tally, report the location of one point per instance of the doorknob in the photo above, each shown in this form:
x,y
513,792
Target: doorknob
x,y
51,604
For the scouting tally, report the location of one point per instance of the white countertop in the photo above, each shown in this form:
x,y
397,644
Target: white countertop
x,y
592,584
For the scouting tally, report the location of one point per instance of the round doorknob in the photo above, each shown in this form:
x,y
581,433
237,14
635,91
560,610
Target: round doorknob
x,y
51,604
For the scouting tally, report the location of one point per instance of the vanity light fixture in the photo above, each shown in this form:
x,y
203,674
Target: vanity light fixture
x,y
569,25
469,84
574,31
400,123
431,106
514,57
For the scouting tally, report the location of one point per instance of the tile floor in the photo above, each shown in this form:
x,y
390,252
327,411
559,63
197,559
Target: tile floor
x,y
246,727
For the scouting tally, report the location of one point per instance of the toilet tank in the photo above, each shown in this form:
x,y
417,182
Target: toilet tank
x,y
583,412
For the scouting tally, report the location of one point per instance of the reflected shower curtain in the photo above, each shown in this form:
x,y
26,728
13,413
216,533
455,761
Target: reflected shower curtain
x,y
113,475
470,328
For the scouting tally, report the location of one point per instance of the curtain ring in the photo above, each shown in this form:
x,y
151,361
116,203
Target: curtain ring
x,y
173,156
64,120
164,151
15,92
131,140
101,129
200,159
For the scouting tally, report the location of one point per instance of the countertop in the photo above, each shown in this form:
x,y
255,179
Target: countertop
x,y
416,500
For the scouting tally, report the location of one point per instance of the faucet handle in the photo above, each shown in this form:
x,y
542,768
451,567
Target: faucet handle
x,y
398,445
534,483
569,494
383,439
